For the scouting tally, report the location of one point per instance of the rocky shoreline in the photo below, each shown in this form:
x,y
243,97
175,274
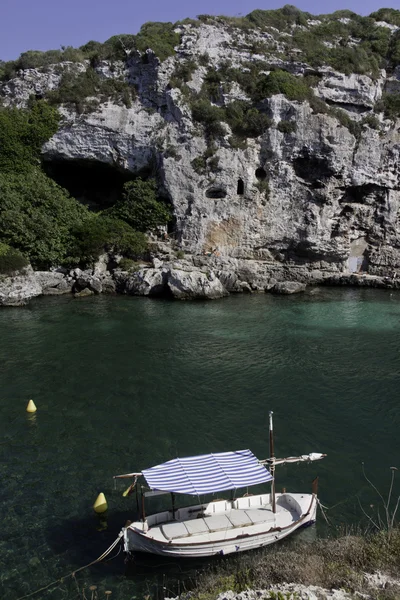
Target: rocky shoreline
x,y
192,277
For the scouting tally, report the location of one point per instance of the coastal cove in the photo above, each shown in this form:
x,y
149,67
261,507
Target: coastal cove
x,y
123,382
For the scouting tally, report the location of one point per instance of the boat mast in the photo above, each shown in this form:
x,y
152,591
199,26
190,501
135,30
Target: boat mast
x,y
272,460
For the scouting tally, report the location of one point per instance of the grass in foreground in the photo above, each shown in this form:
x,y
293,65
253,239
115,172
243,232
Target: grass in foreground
x,y
329,563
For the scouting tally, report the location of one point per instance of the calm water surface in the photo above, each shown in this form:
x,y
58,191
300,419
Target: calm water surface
x,y
123,383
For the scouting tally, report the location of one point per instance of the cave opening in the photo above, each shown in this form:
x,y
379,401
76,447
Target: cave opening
x,y
261,174
216,192
240,187
94,184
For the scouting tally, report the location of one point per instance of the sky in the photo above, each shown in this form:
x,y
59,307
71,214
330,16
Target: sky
x,y
49,24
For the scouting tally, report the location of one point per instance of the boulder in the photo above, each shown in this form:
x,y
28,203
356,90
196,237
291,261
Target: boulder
x,y
109,286
86,280
48,279
18,290
288,287
100,267
186,285
95,285
146,282
83,293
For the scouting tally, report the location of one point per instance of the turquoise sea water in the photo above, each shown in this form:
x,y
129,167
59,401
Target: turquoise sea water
x,y
124,383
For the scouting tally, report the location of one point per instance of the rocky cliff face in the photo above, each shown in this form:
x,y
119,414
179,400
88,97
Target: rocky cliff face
x,y
302,203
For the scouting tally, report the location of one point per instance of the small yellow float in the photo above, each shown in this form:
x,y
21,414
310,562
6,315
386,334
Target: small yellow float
x,y
100,506
31,408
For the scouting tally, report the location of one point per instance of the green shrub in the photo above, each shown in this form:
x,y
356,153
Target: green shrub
x,y
183,73
139,206
37,216
199,164
318,105
180,254
160,37
245,120
372,121
263,188
204,59
35,59
11,260
212,85
390,15
213,164
281,82
394,49
23,133
206,162
354,127
204,112
76,88
210,116
281,19
390,105
287,126
127,264
101,233
237,142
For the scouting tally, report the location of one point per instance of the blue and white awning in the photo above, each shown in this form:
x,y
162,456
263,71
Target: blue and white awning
x,y
207,473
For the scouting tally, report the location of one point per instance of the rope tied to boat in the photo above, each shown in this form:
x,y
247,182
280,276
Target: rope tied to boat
x,y
73,573
323,512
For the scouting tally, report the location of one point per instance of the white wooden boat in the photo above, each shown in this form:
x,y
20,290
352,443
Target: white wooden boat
x,y
222,526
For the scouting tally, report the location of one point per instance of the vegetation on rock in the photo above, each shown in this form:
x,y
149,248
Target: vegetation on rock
x,y
11,260
390,105
101,233
22,134
161,38
37,216
139,206
86,90
41,221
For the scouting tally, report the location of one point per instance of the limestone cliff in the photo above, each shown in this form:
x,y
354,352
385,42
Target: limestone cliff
x,y
300,201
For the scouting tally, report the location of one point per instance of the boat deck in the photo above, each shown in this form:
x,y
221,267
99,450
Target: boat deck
x,y
233,520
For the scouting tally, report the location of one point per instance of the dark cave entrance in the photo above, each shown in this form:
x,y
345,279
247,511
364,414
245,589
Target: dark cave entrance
x,y
94,184
240,187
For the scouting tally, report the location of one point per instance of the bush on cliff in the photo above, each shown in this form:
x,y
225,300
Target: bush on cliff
x,y
245,120
390,105
11,260
37,216
139,206
281,82
160,37
23,133
101,233
84,91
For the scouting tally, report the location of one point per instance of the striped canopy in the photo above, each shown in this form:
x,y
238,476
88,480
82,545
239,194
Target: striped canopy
x,y
207,473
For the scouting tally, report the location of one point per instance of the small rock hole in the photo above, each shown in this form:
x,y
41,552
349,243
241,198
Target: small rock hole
x,y
261,174
240,187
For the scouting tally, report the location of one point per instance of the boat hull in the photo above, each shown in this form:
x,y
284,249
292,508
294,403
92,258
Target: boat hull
x,y
236,539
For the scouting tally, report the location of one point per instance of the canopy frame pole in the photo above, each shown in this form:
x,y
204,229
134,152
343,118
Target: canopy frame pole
x,y
272,461
173,505
143,506
137,500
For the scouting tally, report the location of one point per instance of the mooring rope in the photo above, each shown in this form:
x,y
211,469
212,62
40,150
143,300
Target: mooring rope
x,y
323,512
73,573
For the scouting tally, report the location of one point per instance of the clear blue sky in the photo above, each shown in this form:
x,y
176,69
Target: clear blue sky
x,y
49,24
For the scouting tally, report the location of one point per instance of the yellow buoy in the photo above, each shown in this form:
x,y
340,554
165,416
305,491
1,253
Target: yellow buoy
x,y
100,506
31,408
